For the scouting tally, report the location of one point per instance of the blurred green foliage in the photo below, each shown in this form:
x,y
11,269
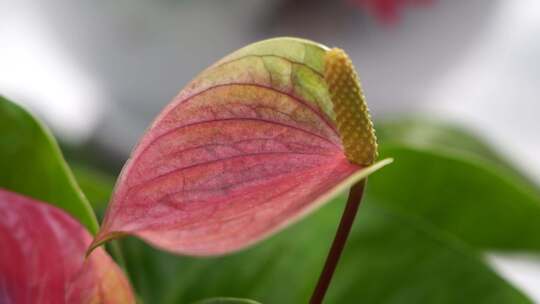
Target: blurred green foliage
x,y
420,235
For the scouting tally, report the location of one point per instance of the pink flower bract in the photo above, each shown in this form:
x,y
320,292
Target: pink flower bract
x,y
42,258
247,147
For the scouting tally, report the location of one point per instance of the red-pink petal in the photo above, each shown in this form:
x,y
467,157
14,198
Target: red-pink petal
x,y
42,258
225,167
247,147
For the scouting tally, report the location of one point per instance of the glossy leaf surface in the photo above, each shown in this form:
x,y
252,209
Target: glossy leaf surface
x,y
247,147
42,258
32,164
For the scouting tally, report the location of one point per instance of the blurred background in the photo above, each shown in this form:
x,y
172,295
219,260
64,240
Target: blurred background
x,y
99,72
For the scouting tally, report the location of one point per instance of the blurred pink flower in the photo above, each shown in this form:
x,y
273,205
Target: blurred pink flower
x,y
387,11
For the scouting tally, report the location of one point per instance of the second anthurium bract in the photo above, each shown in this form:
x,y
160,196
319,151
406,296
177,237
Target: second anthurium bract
x,y
259,139
42,258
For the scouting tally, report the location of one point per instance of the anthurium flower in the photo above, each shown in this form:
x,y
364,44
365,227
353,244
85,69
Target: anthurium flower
x,y
259,139
42,258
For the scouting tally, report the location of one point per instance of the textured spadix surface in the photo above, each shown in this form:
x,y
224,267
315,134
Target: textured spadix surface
x,y
42,258
248,146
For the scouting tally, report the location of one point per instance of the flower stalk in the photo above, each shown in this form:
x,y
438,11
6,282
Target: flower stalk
x,y
347,219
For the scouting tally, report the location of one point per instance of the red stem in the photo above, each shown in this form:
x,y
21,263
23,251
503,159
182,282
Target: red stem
x,y
347,220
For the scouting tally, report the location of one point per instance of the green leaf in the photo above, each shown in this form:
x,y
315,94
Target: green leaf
x,y
435,135
227,301
445,138
477,199
31,163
